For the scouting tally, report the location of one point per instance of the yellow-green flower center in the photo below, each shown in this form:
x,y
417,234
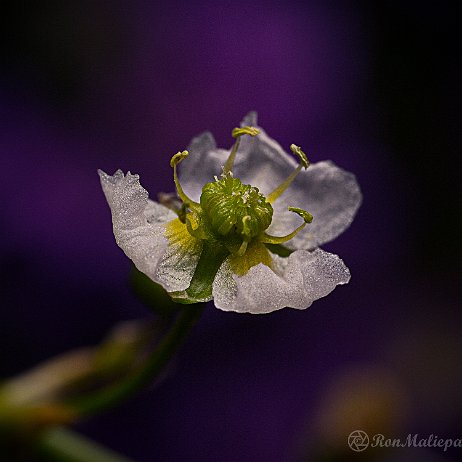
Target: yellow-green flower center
x,y
230,221
232,208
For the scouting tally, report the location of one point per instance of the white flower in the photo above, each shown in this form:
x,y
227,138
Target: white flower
x,y
223,242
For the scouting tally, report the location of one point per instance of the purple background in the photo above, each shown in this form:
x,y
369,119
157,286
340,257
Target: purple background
x,y
90,85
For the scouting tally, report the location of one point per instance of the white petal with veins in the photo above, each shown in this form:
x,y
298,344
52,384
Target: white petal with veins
x,y
203,163
139,226
295,282
329,193
160,246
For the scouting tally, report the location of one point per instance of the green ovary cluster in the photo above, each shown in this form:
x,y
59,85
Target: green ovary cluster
x,y
230,221
232,209
232,217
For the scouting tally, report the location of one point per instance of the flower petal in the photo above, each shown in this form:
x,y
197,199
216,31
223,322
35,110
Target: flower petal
x,y
293,282
203,163
329,193
261,161
140,230
179,262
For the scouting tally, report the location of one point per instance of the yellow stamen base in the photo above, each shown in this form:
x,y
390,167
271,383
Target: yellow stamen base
x,y
256,253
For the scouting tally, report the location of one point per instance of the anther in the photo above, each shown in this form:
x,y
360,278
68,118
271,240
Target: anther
x,y
307,218
237,133
304,163
174,161
301,155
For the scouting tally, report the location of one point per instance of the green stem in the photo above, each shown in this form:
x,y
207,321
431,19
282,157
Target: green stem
x,y
62,445
112,395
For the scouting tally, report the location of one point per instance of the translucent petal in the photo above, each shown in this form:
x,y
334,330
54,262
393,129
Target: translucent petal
x,y
179,262
329,193
293,282
203,163
261,161
140,230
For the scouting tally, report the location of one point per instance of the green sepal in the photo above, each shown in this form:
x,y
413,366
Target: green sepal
x,y
152,294
183,298
200,289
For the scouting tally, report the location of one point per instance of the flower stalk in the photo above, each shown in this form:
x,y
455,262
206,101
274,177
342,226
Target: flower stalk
x,y
112,395
34,408
61,444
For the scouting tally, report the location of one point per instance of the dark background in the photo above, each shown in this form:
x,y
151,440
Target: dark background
x,y
373,86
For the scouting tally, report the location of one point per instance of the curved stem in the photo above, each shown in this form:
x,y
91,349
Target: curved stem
x,y
150,369
60,444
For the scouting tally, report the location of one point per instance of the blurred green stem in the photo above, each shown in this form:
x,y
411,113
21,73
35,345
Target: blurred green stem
x,y
148,371
22,398
62,445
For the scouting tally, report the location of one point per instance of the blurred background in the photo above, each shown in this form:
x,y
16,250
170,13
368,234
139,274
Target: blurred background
x,y
373,86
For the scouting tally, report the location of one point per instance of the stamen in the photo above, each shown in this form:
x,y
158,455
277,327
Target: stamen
x,y
297,150
242,248
304,163
237,133
307,218
174,161
182,212
247,233
192,220
170,200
